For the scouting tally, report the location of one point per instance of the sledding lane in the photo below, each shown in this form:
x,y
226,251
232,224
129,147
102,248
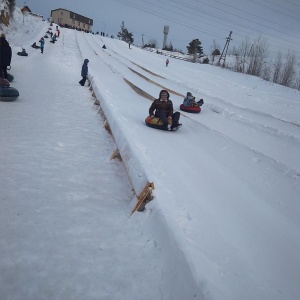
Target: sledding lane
x,y
231,121
228,100
190,132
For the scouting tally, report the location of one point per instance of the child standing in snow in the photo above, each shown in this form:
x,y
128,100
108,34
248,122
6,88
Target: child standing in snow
x,y
84,72
42,44
167,62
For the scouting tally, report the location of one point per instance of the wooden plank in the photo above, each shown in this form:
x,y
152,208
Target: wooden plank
x,y
147,189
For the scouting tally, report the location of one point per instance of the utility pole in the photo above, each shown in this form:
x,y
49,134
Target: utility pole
x,y
23,7
223,56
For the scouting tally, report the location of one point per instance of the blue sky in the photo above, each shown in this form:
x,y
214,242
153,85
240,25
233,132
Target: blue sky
x,y
207,20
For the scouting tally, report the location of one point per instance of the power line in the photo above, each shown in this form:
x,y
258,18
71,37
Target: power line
x,y
261,18
253,31
282,7
245,18
272,8
237,32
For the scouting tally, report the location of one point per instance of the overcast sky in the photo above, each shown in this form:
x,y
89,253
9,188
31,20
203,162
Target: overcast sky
x,y
207,20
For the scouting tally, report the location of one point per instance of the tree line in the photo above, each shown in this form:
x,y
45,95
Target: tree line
x,y
253,58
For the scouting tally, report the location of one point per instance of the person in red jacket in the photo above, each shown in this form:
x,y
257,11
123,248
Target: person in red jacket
x,y
5,56
163,108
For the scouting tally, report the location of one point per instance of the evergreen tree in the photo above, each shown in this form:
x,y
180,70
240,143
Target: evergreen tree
x,y
124,35
194,48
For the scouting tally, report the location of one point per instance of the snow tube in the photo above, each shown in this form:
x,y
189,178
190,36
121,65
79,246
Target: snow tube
x,y
158,124
23,53
155,123
10,77
191,109
7,93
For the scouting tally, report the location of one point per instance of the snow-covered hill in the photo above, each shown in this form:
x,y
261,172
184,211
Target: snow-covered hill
x,y
224,221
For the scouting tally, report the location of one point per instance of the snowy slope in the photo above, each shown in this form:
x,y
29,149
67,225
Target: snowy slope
x,y
228,182
226,210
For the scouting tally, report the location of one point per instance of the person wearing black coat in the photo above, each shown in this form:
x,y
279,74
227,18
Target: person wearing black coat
x,y
5,56
84,72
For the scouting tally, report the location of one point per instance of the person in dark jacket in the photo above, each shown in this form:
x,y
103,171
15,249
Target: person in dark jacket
x,y
163,108
42,44
189,100
84,72
5,56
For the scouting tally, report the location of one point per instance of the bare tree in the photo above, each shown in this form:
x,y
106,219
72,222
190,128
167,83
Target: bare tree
x,y
237,67
153,43
257,56
288,71
297,82
215,46
242,54
267,71
277,68
214,50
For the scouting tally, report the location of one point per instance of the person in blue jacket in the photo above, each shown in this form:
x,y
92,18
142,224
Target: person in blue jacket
x,y
42,44
189,100
84,72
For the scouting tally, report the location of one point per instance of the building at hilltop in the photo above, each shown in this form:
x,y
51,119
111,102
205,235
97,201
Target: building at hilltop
x,y
27,11
69,19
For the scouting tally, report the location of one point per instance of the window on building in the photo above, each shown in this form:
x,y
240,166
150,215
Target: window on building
x,y
62,13
78,23
73,21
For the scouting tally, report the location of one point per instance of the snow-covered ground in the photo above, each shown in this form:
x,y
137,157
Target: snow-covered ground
x,y
224,222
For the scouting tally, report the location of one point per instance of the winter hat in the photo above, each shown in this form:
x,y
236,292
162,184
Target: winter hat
x,y
189,95
2,34
165,92
86,60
